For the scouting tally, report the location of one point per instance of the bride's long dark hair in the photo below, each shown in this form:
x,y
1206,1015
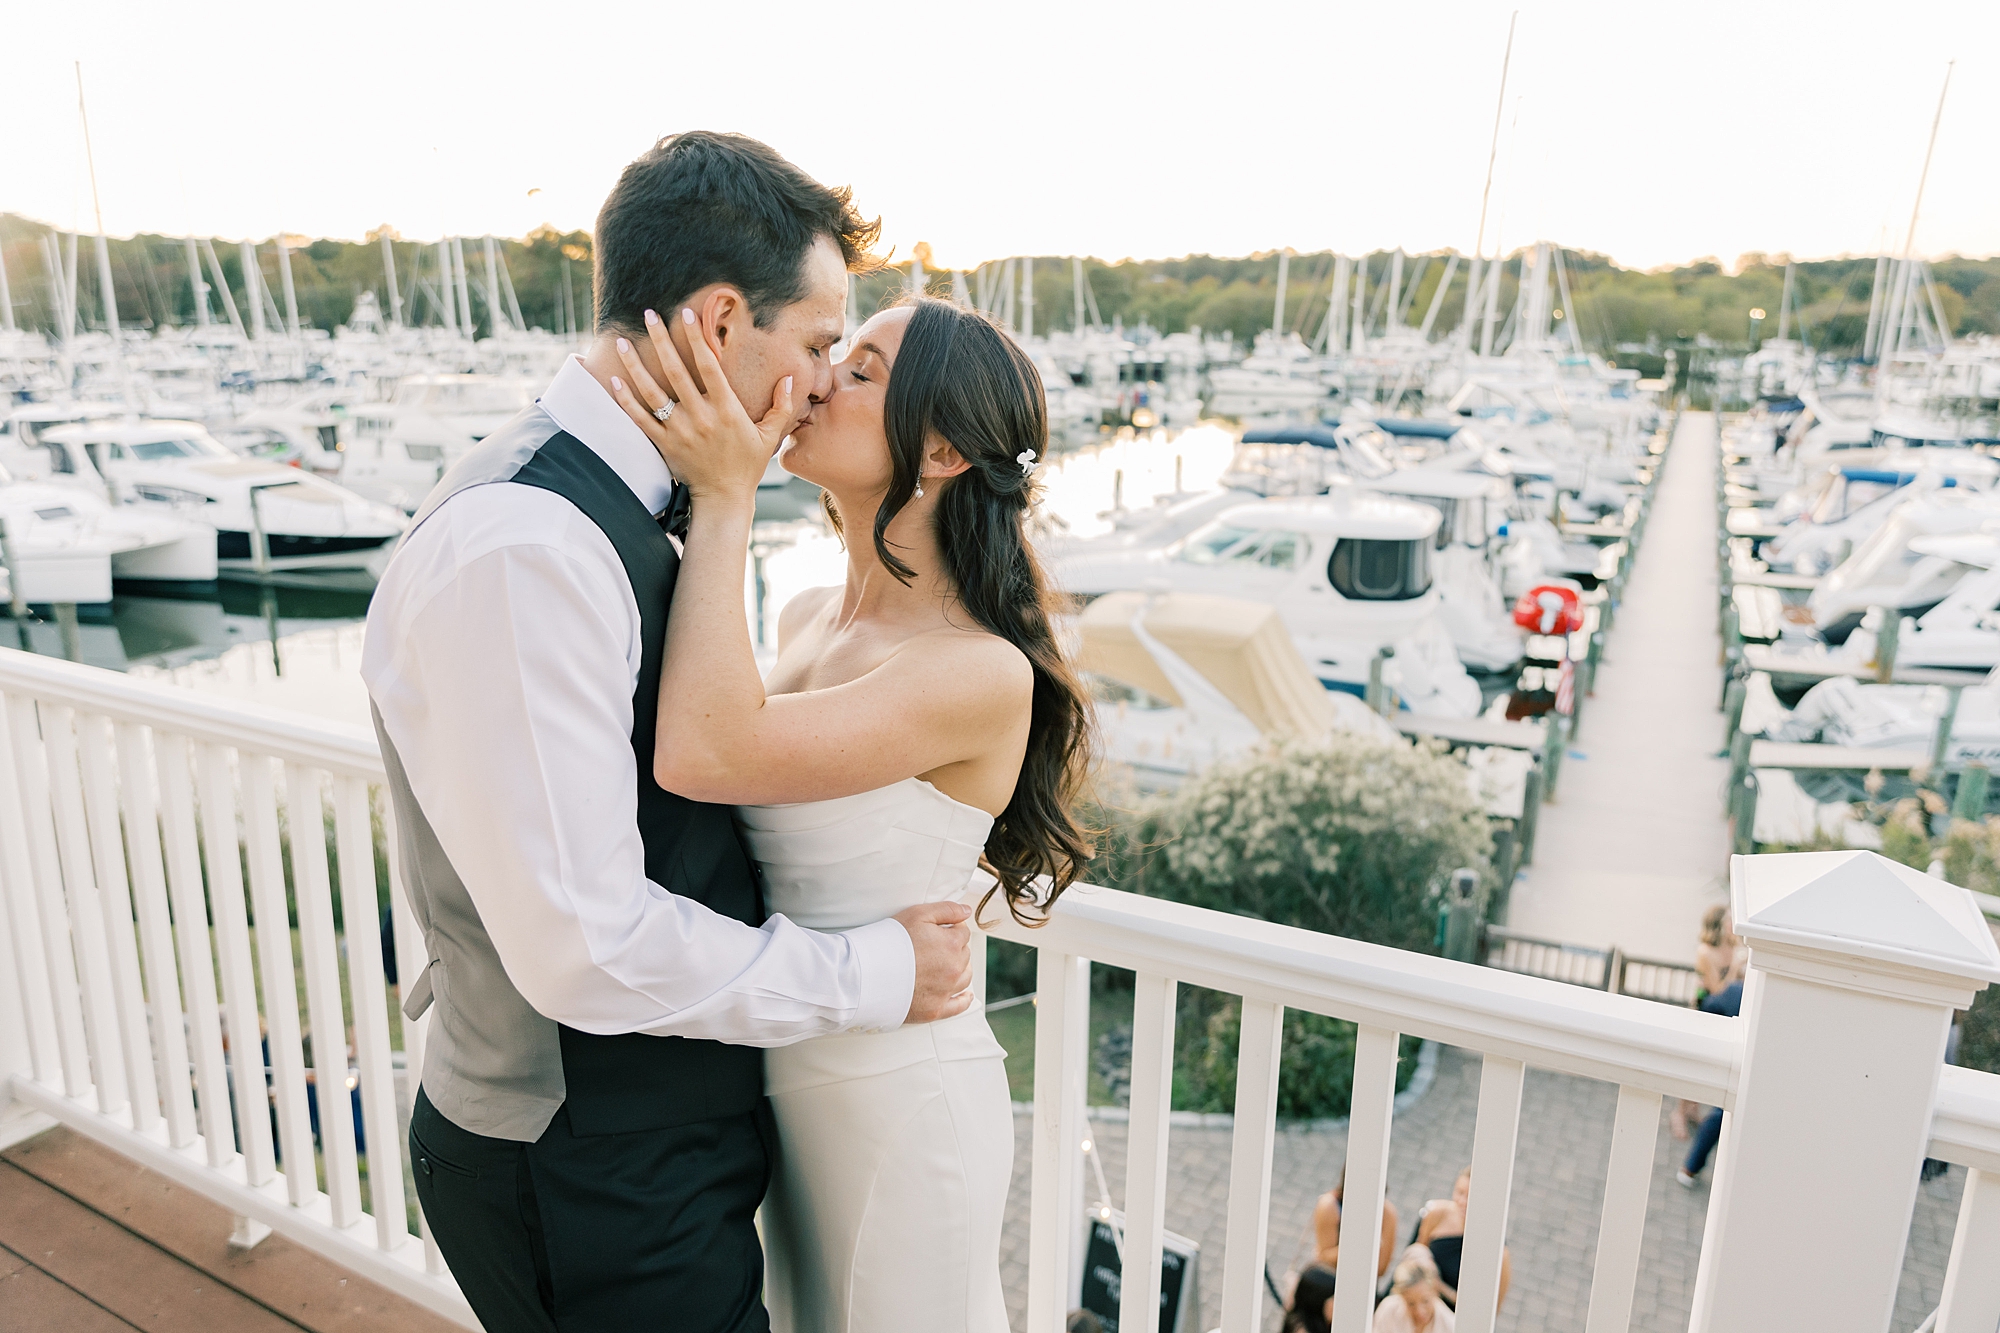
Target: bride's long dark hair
x,y
961,378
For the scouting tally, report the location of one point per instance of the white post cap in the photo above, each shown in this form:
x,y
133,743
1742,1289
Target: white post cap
x,y
1904,931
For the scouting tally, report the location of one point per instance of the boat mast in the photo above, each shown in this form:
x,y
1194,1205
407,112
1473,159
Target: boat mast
x,y
494,316
1357,327
253,290
1278,310
103,245
1395,302
464,287
291,293
1076,277
1908,266
1027,296
389,272
1785,302
1486,194
6,297
196,285
222,287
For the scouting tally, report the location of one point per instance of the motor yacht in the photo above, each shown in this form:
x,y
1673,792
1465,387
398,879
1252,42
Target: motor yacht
x,y
267,518
400,448
1350,573
60,544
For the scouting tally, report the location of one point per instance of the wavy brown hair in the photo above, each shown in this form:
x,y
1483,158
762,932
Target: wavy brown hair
x,y
961,378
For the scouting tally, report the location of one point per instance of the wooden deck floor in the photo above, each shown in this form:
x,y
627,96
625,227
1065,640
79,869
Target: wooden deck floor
x,y
91,1241
1635,848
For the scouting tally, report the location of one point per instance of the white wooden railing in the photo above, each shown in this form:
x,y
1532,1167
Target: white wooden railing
x,y
115,794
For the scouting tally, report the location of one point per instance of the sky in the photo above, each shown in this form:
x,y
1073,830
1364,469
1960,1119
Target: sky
x,y
1655,134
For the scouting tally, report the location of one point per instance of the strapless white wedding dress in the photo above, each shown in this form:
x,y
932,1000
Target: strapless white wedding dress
x,y
894,1148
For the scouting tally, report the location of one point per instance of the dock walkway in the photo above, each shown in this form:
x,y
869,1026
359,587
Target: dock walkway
x,y
1635,848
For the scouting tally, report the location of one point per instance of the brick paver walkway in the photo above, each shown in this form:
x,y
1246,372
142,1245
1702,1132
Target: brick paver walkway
x,y
1552,1229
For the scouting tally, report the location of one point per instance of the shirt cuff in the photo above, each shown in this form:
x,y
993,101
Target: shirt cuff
x,y
887,962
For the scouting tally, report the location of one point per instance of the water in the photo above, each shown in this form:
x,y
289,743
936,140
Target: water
x,y
165,631
288,646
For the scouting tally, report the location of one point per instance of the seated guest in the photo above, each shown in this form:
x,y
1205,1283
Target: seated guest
x,y
1413,1304
1311,1308
1326,1230
1441,1231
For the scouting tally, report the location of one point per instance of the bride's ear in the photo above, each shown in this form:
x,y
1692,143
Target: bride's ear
x,y
942,458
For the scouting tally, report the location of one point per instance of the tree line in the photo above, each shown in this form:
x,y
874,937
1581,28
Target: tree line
x,y
1698,302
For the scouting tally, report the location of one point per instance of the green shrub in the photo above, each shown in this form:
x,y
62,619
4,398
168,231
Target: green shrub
x,y
1315,1059
1351,837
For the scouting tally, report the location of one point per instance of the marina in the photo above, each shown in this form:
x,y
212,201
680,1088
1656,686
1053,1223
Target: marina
x,y
1537,710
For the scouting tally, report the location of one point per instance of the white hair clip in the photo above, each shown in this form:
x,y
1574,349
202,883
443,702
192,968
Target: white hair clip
x,y
1026,458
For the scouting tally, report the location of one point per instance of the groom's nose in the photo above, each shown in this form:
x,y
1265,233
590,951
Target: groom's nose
x,y
820,385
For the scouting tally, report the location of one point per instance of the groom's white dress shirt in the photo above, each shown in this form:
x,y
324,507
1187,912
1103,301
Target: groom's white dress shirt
x,y
502,653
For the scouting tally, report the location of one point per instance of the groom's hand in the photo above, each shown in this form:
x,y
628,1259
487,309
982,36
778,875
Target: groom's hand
x,y
942,938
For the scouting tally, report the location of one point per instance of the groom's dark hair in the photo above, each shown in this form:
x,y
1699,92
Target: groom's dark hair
x,y
700,208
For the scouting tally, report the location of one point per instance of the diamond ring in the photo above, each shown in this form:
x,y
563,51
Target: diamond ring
x,y
662,413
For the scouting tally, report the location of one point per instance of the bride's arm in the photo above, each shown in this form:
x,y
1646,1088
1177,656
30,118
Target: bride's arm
x,y
938,700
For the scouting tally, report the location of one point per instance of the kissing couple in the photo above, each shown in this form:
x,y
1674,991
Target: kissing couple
x,y
699,940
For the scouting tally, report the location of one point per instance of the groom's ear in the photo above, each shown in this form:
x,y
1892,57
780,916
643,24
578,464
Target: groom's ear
x,y
723,315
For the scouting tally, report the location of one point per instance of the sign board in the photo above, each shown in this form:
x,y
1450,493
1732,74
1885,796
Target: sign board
x,y
1180,1288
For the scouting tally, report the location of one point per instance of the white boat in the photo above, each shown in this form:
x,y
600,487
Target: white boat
x,y
1350,572
1891,567
1471,506
266,517
61,544
400,448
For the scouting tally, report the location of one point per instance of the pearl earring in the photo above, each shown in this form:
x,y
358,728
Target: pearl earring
x,y
920,490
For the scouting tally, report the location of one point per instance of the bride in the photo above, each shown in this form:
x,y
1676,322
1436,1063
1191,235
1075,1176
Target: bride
x,y
920,737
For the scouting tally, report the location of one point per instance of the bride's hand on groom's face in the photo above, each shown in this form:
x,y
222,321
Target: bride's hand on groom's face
x,y
707,437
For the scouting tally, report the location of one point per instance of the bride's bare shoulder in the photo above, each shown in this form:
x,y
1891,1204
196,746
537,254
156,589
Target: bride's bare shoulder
x,y
801,610
975,660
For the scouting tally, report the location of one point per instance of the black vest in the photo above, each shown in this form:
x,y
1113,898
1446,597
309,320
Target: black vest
x,y
618,1084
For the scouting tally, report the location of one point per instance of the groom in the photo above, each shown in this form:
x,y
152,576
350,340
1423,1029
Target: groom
x,y
591,1140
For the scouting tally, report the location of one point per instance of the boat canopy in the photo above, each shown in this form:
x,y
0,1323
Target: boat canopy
x,y
1419,427
1314,435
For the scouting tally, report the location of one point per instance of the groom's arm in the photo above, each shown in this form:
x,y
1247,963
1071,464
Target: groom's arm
x,y
506,686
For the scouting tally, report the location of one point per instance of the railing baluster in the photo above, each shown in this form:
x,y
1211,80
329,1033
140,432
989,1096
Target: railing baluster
x,y
1628,1178
156,940
24,917
412,957
1146,1149
1493,1141
86,909
307,820
1972,1279
100,795
1062,1030
371,1017
1372,1108
232,946
45,869
1250,1166
211,1075
281,987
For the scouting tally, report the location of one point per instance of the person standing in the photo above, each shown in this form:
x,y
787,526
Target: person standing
x,y
591,1137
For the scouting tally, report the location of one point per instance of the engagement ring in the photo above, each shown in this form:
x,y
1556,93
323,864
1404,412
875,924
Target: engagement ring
x,y
664,412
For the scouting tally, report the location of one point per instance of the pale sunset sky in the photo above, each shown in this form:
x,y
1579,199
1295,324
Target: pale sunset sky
x,y
1652,133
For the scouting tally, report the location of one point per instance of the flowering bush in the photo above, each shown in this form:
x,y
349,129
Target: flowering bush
x,y
1349,836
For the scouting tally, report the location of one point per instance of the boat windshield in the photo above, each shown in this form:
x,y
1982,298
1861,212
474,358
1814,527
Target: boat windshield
x,y
1219,543
153,451
1375,570
1210,545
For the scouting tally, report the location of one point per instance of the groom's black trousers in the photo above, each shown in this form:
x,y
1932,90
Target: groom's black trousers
x,y
601,1233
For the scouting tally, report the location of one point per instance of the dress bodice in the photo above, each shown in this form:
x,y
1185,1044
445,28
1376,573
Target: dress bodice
x,y
838,864
834,865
